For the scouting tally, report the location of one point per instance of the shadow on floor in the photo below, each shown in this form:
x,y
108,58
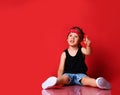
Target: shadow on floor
x,y
76,90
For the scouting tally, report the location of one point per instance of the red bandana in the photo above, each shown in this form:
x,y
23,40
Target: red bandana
x,y
74,31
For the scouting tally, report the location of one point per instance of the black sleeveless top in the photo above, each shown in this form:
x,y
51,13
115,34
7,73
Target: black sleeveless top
x,y
75,64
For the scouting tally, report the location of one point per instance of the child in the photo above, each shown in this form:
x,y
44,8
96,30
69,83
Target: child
x,y
72,69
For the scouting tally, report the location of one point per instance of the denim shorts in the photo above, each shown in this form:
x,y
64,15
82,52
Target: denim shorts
x,y
75,79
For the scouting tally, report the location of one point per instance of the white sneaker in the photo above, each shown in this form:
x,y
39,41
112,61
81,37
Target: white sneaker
x,y
102,83
50,82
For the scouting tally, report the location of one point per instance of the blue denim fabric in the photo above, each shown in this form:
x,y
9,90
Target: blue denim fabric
x,y
75,78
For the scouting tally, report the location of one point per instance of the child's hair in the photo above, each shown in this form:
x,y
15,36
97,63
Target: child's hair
x,y
80,30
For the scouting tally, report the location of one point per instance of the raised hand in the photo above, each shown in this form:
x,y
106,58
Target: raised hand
x,y
87,41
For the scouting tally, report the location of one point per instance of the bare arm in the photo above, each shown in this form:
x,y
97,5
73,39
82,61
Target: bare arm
x,y
61,66
88,49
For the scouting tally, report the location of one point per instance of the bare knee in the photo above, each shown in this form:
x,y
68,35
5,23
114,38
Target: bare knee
x,y
88,81
83,80
63,79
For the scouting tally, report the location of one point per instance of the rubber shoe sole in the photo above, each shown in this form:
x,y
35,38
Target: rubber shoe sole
x,y
103,83
49,83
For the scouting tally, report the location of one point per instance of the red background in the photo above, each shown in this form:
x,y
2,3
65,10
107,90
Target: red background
x,y
33,35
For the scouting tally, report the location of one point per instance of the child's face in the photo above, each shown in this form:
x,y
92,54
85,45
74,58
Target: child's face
x,y
73,39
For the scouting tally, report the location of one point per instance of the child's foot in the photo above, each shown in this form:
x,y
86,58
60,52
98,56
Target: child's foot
x,y
102,83
50,82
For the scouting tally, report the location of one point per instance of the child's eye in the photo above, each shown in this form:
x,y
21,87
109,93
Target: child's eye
x,y
76,36
70,35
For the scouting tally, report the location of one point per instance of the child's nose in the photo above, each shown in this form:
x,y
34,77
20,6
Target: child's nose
x,y
72,37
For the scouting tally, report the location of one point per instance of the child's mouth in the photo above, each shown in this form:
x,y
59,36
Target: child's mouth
x,y
71,41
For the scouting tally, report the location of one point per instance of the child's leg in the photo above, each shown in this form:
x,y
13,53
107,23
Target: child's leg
x,y
99,82
64,79
87,81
